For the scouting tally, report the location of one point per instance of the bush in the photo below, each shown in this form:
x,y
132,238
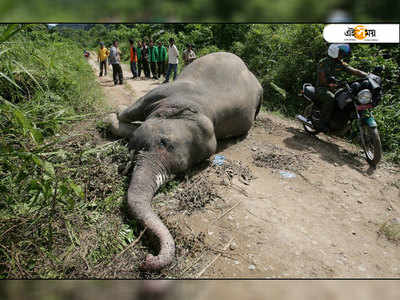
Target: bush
x,y
44,85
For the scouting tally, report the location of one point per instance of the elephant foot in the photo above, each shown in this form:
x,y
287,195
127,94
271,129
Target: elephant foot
x,y
113,123
119,128
121,108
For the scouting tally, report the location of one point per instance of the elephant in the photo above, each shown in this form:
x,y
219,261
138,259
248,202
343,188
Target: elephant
x,y
176,125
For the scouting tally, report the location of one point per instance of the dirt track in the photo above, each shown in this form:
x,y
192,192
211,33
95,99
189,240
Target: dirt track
x,y
322,223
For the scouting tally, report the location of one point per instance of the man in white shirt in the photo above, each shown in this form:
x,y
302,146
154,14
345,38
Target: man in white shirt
x,y
114,60
173,55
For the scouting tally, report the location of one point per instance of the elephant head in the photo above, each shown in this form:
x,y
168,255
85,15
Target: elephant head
x,y
165,147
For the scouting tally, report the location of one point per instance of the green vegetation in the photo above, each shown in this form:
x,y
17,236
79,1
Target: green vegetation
x,y
194,10
391,230
62,196
52,172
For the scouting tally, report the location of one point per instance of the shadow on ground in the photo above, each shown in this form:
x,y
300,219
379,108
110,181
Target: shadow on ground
x,y
327,151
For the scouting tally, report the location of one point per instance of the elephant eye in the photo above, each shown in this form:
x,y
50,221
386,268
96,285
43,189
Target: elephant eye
x,y
167,144
164,142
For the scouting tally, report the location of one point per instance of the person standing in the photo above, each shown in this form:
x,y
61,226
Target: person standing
x,y
145,59
115,61
173,55
191,55
139,58
153,58
166,59
102,55
162,59
185,55
134,59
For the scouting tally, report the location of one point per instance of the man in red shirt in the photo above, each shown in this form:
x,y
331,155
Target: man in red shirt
x,y
134,59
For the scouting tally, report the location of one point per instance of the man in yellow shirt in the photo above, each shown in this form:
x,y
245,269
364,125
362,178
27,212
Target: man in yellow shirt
x,y
102,58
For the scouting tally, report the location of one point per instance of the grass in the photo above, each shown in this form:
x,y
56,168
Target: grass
x,y
391,230
61,209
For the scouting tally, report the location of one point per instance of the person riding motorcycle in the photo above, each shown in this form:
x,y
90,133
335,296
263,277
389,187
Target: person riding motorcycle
x,y
328,67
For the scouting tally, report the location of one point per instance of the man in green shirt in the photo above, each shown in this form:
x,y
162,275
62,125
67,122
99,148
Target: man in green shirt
x,y
153,59
145,59
162,59
139,58
329,67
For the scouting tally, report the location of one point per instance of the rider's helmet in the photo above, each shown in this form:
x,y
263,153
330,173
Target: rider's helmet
x,y
336,50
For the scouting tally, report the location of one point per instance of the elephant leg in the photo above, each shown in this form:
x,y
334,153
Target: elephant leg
x,y
138,110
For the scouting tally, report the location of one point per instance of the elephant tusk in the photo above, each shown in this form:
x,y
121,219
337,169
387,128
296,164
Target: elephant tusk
x,y
137,123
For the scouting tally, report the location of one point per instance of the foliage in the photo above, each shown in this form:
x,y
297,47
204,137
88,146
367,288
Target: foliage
x,y
45,85
367,57
195,10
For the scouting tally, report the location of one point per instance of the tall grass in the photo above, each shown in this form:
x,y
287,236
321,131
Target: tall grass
x,y
42,88
45,85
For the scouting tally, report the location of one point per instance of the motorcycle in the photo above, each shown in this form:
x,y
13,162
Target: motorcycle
x,y
354,102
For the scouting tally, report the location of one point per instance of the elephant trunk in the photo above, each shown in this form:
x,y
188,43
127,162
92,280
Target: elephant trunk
x,y
149,174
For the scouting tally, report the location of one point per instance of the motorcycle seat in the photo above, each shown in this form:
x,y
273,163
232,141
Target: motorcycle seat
x,y
309,91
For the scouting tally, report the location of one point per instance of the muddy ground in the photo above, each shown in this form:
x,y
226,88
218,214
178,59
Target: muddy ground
x,y
247,218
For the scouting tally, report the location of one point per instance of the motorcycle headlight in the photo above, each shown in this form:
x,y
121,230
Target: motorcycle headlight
x,y
364,96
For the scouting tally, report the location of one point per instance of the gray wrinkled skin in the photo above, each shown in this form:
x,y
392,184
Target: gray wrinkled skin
x,y
215,97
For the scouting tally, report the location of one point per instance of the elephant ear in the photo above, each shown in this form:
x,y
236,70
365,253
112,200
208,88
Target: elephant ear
x,y
174,112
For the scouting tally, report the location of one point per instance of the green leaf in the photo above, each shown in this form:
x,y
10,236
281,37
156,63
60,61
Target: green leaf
x,y
10,80
281,91
35,185
37,161
36,135
70,203
29,74
4,51
48,168
62,154
63,190
11,30
77,189
22,120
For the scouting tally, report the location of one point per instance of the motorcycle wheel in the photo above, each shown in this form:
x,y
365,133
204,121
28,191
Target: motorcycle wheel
x,y
308,113
372,146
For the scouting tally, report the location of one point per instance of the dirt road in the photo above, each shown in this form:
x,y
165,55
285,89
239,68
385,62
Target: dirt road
x,y
322,222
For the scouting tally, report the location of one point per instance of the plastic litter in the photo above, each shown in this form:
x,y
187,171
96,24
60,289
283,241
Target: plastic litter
x,y
219,160
287,175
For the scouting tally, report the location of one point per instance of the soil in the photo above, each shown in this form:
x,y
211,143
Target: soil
x,y
323,220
